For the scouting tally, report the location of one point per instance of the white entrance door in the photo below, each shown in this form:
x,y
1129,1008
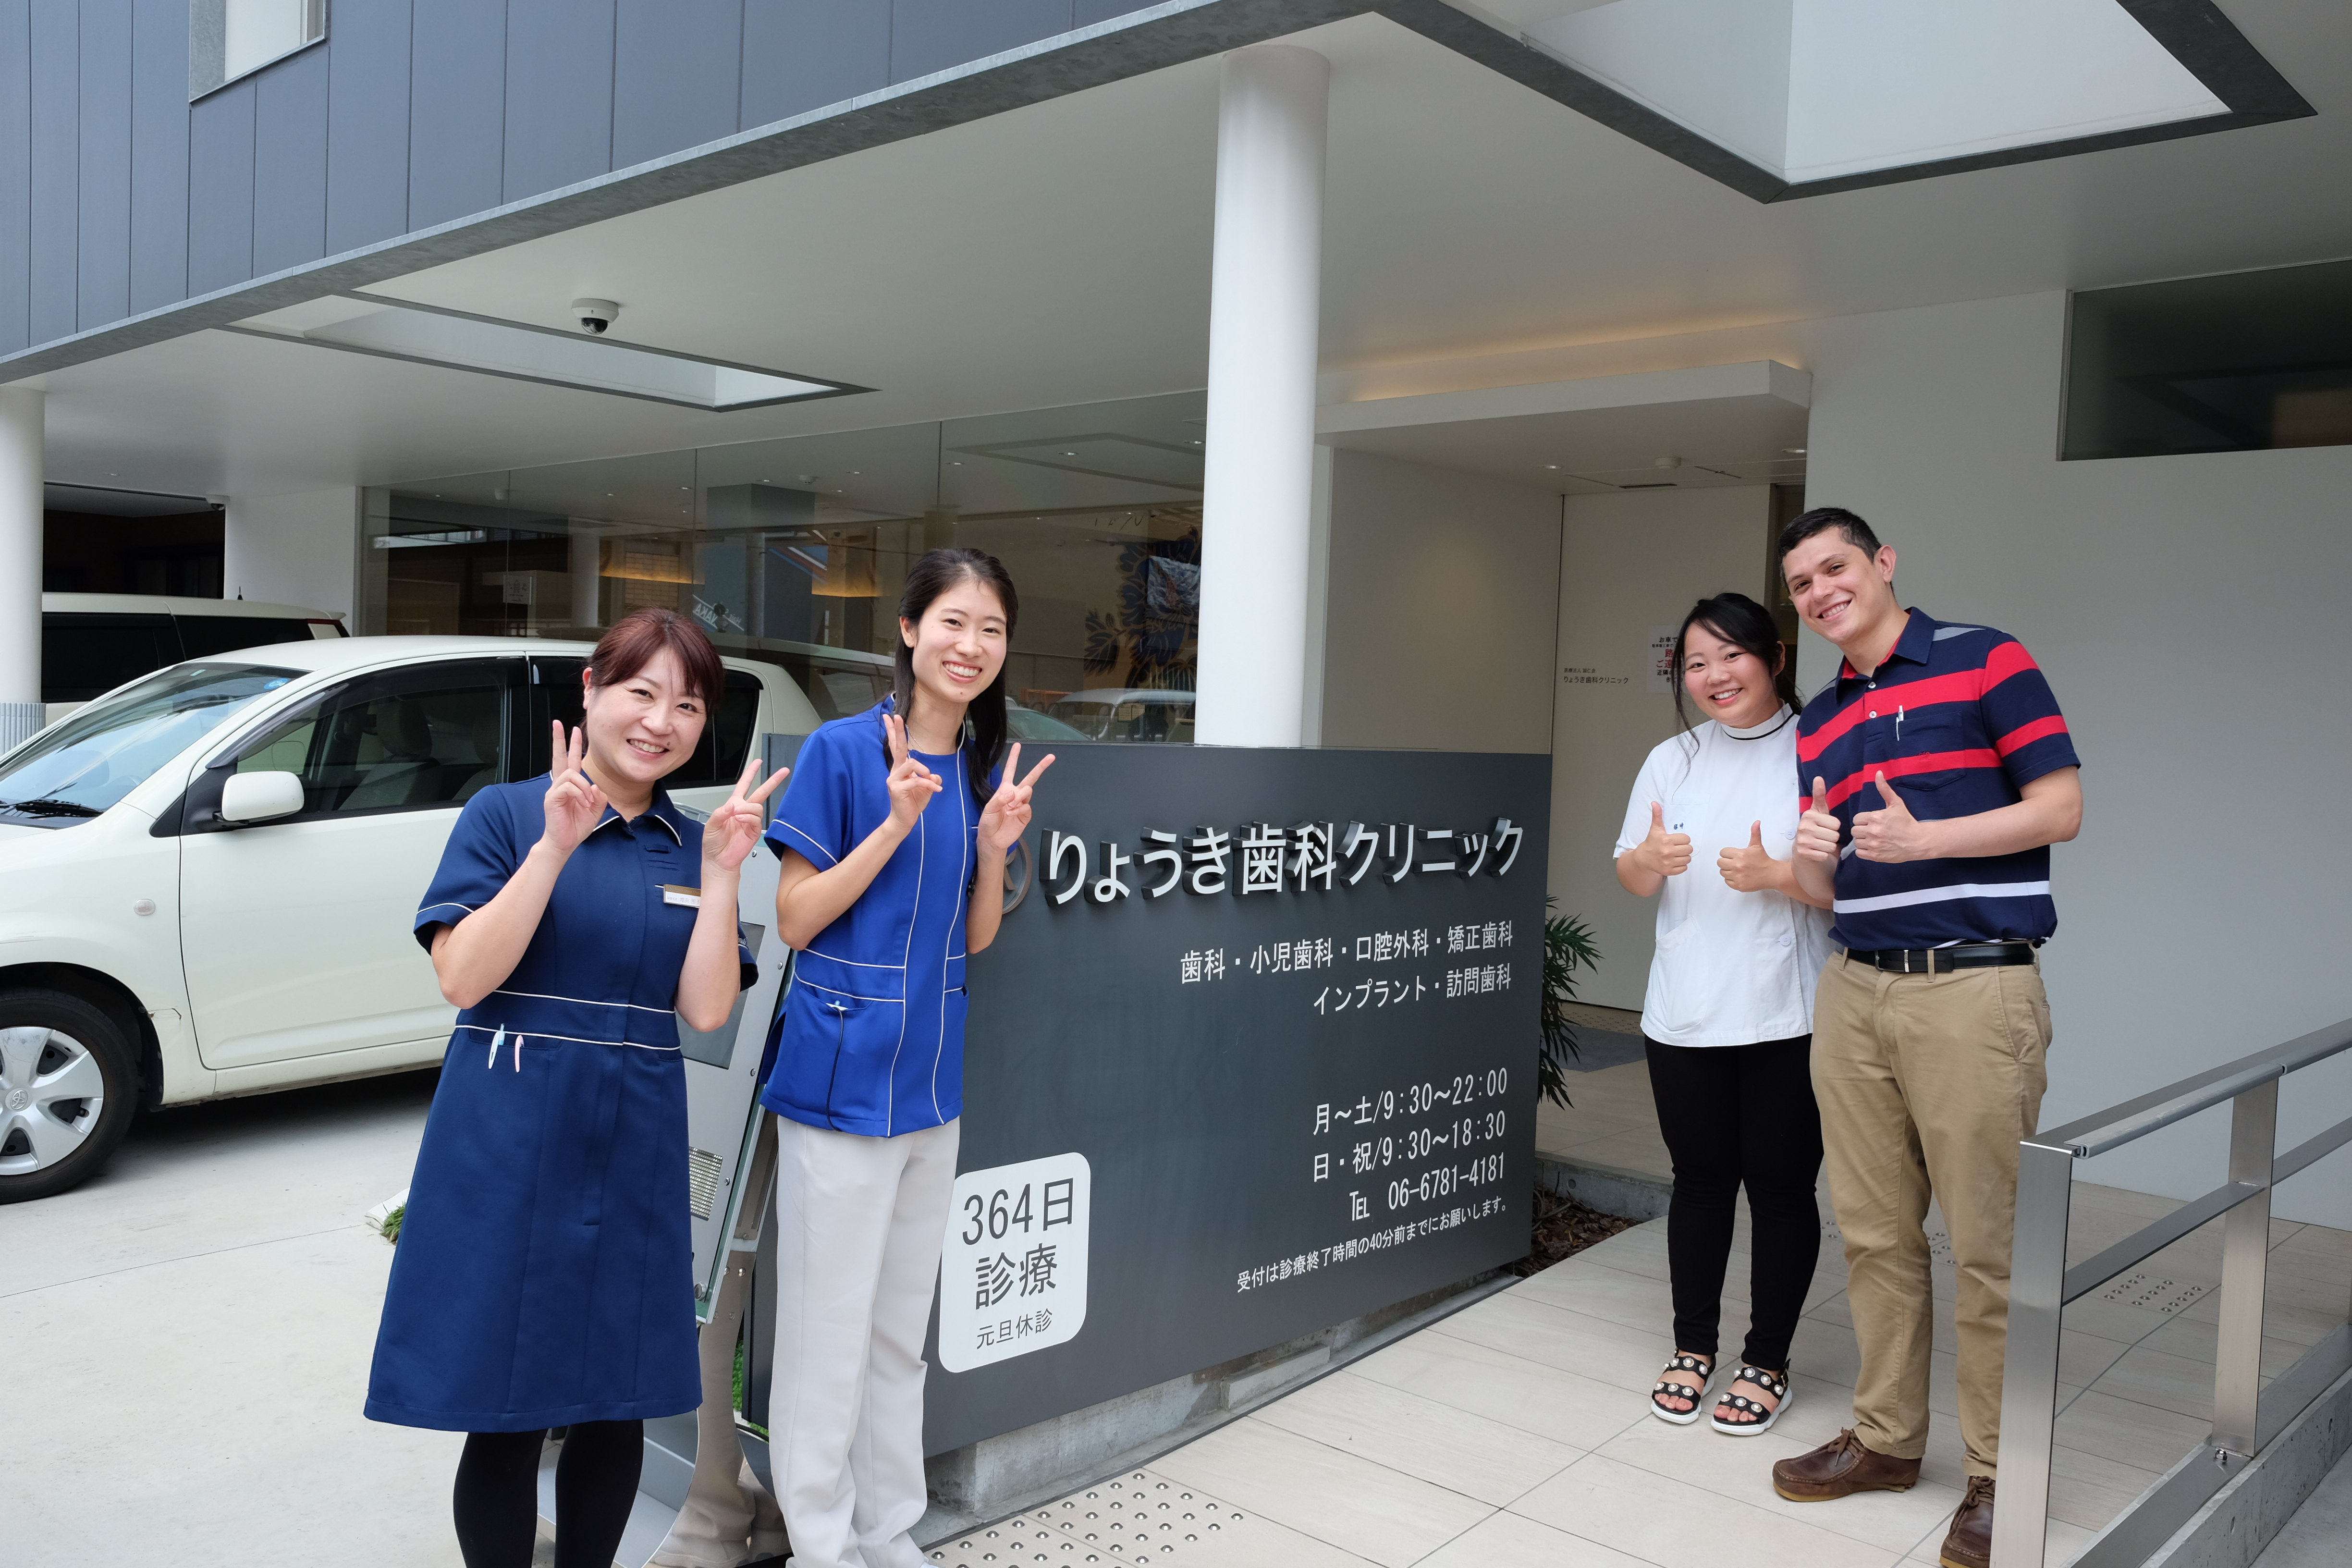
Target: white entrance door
x,y
296,933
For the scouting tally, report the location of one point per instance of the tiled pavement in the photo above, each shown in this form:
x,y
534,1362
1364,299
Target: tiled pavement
x,y
1515,1432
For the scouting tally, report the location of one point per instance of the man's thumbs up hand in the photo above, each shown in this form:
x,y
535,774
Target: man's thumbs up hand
x,y
1891,834
1818,829
1749,868
1667,854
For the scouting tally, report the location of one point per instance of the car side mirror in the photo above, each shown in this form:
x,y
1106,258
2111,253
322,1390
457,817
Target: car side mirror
x,y
258,797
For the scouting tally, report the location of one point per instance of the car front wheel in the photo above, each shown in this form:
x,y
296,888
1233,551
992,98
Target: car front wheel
x,y
68,1085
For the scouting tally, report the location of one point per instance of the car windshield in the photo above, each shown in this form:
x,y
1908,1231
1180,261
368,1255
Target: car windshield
x,y
105,750
1028,724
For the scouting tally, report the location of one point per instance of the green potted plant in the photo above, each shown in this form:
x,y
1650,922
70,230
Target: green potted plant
x,y
1567,947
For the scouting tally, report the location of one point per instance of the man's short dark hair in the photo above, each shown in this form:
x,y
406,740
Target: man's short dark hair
x,y
1806,525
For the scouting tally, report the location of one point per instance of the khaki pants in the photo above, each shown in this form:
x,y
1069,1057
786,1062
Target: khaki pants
x,y
1925,1085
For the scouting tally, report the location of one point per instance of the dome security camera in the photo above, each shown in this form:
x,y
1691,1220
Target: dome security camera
x,y
595,315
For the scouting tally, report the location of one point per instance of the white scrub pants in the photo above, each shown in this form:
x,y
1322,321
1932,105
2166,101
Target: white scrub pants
x,y
860,1225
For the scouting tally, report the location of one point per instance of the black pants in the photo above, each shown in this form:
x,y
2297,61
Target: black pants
x,y
497,1496
1734,1116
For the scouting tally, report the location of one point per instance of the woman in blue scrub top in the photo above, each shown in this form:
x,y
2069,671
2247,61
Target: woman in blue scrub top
x,y
545,1276
893,838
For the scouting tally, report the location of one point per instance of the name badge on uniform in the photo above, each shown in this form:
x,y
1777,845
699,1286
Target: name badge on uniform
x,y
689,897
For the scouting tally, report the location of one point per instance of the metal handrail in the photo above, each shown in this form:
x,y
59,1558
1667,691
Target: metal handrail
x,y
2245,1416
2120,1124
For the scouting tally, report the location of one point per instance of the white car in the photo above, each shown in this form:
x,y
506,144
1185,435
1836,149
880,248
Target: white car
x,y
207,876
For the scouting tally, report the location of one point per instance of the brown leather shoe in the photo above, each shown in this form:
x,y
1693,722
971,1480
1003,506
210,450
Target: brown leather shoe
x,y
1969,1544
1843,1467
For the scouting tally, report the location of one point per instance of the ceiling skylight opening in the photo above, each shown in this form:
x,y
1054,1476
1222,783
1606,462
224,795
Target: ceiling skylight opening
x,y
1815,90
395,330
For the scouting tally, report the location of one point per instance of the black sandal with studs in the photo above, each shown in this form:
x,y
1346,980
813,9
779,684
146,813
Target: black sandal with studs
x,y
1778,1387
1670,1385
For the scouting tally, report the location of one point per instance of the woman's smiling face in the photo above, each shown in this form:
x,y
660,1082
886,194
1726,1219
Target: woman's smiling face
x,y
645,727
958,646
1728,683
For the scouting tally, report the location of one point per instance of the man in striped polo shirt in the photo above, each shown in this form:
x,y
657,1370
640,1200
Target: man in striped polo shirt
x,y
1935,772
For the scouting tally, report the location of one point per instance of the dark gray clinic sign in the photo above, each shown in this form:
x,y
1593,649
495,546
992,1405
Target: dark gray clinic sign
x,y
1255,1053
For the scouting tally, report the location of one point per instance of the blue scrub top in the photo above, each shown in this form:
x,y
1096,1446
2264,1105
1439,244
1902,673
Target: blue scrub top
x,y
545,1270
870,1038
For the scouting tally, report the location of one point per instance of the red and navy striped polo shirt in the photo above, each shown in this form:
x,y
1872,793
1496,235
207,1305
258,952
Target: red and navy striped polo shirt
x,y
1960,720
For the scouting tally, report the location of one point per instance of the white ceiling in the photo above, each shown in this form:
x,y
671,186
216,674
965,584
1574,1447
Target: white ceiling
x,y
1059,254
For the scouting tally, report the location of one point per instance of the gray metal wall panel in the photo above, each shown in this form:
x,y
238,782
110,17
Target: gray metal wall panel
x,y
1086,13
102,291
367,123
15,174
927,35
559,94
290,162
676,74
800,55
55,224
220,189
456,109
158,153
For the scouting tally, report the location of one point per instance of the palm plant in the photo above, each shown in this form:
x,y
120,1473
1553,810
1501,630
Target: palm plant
x,y
1568,946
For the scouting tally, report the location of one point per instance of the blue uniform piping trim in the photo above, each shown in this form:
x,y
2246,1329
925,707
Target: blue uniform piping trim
x,y
582,1001
829,861
576,1040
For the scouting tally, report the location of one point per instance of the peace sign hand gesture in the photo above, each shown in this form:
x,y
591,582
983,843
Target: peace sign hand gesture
x,y
735,826
1006,815
910,783
574,805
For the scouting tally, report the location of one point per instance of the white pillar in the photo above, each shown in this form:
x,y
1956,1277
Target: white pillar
x,y
587,580
20,563
300,550
1258,491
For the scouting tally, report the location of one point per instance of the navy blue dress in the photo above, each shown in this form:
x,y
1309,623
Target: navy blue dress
x,y
544,1275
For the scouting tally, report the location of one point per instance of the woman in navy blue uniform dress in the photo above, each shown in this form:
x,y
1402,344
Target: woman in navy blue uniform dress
x,y
544,1276
893,838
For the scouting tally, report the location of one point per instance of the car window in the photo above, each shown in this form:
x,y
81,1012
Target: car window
x,y
202,635
85,654
726,738
429,737
81,766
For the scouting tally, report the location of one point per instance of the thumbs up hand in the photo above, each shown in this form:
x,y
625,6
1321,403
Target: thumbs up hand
x,y
1891,834
1663,853
1818,830
1749,868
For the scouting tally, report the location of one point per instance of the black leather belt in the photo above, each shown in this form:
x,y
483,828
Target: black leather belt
x,y
1942,959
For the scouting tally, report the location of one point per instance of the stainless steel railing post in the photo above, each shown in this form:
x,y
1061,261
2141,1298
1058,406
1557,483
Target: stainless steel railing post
x,y
2029,1404
2245,1260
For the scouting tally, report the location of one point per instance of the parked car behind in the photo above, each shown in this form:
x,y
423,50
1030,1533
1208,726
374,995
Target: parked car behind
x,y
207,876
94,642
1129,713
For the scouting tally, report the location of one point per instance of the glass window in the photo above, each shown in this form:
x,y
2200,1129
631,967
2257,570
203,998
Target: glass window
x,y
232,38
78,768
2239,362
85,654
424,738
794,552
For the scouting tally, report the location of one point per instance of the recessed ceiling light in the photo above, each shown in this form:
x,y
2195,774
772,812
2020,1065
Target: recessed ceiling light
x,y
1551,465
1794,451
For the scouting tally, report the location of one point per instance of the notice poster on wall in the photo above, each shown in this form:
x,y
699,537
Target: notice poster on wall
x,y
1255,1053
1662,658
